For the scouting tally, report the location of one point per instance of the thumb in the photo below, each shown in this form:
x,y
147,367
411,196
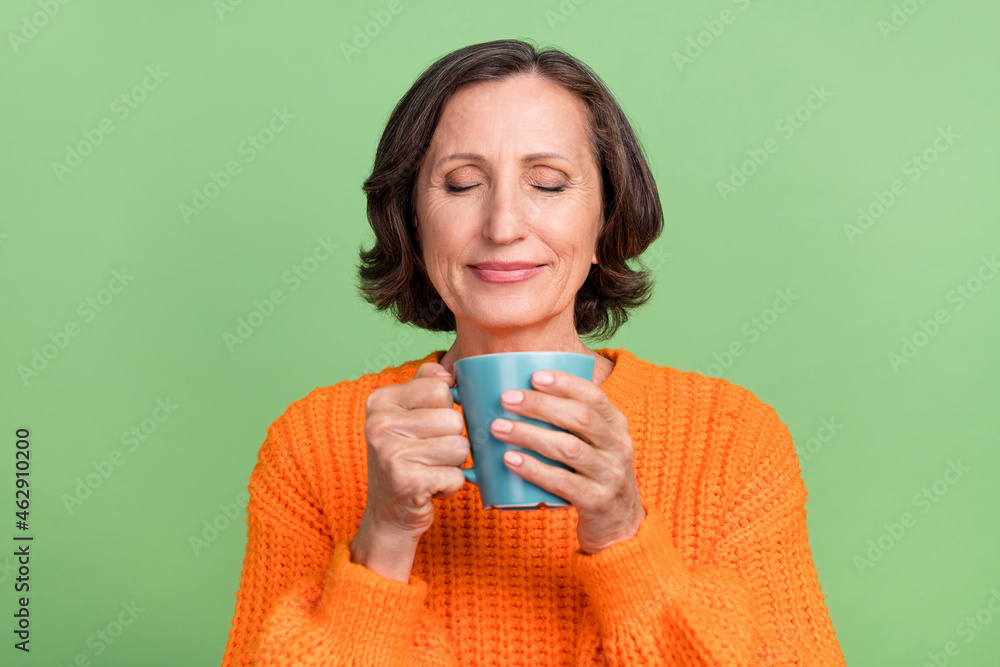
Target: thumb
x,y
433,369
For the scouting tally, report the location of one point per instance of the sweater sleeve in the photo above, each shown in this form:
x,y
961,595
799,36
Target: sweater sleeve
x,y
301,600
755,599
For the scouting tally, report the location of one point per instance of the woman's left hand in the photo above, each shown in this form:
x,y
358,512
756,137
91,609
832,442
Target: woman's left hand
x,y
597,446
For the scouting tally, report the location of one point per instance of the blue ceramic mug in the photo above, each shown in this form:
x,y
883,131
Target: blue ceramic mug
x,y
480,381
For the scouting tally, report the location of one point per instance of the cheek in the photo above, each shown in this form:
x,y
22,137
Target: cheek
x,y
433,218
444,214
575,231
441,250
582,209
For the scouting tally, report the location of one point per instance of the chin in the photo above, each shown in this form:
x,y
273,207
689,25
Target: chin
x,y
510,319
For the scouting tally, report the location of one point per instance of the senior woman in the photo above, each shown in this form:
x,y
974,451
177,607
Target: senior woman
x,y
507,195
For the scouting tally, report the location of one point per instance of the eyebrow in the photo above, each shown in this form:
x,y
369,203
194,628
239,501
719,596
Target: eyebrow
x,y
479,158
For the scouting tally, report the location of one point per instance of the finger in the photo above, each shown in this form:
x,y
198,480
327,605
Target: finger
x,y
417,393
447,482
560,446
433,369
451,451
426,391
572,386
565,484
570,414
420,423
568,385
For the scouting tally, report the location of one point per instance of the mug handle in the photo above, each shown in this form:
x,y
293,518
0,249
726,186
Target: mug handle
x,y
469,473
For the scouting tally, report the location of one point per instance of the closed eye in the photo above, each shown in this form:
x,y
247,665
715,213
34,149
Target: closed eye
x,y
456,188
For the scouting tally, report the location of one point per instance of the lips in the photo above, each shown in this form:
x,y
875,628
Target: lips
x,y
505,272
504,266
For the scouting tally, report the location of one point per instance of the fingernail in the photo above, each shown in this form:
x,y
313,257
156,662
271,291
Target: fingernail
x,y
544,377
513,458
503,425
512,397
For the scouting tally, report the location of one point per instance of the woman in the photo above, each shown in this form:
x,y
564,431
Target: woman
x,y
507,195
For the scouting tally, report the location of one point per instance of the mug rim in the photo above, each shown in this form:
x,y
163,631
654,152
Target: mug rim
x,y
525,352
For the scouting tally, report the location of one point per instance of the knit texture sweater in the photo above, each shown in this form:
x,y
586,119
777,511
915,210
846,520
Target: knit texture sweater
x,y
719,573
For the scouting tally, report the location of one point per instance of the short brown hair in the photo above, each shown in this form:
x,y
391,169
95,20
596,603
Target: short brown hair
x,y
392,273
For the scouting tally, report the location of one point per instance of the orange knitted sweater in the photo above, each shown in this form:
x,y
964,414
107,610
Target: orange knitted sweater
x,y
720,572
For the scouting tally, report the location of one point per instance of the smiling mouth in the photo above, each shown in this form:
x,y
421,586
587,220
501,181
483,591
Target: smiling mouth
x,y
495,272
504,266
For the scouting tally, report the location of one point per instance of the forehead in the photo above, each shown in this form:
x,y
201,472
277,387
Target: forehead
x,y
521,114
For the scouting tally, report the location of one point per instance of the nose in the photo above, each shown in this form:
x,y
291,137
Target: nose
x,y
507,219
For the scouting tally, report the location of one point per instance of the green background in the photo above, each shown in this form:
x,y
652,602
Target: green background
x,y
720,263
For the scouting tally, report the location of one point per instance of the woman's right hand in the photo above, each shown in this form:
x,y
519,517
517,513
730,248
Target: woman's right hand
x,y
415,448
